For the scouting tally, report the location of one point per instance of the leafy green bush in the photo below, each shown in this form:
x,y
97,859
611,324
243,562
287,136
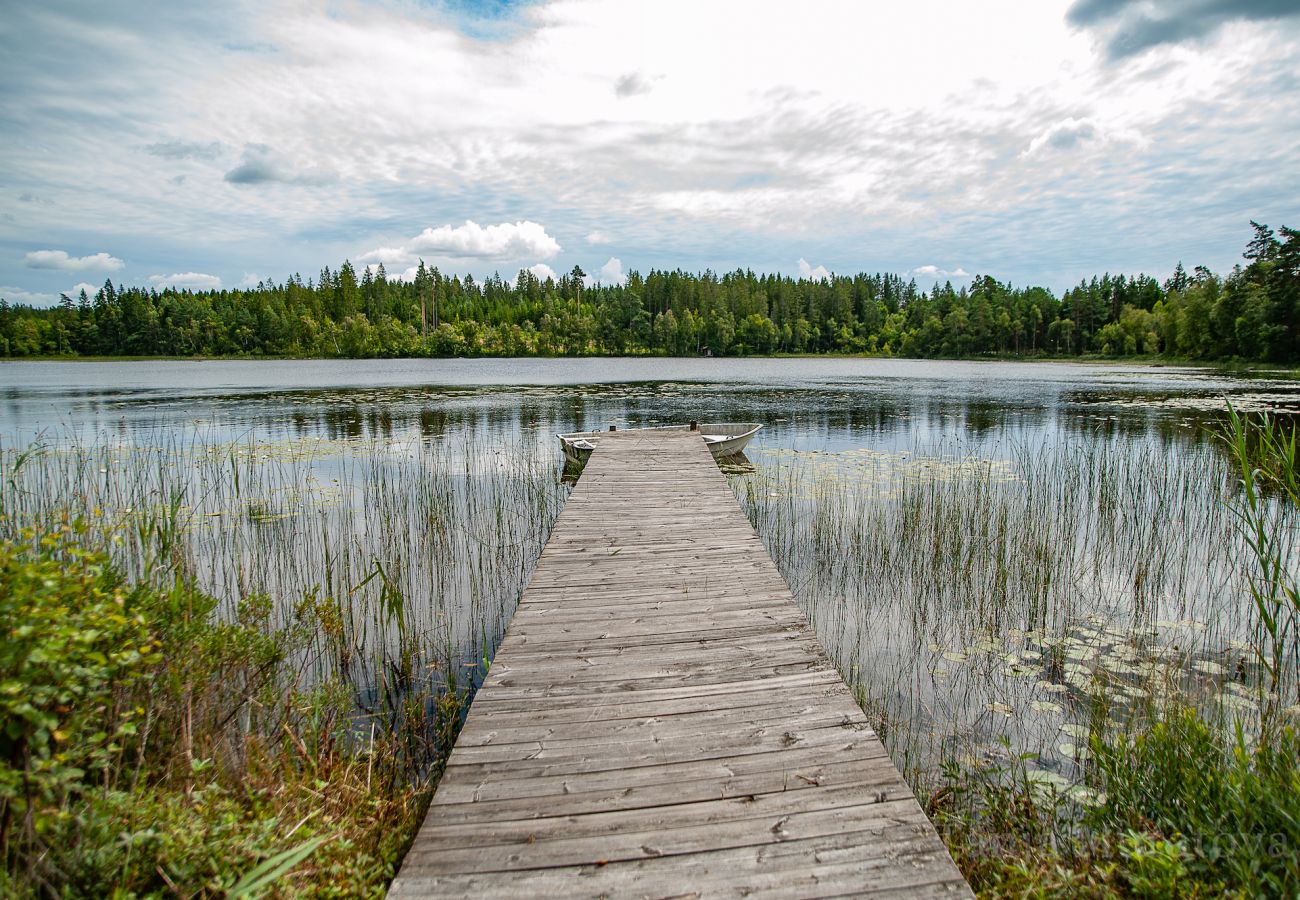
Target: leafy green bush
x,y
151,749
76,642
1235,810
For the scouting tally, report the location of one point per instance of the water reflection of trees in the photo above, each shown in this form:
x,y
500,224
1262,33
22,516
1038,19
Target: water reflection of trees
x,y
884,415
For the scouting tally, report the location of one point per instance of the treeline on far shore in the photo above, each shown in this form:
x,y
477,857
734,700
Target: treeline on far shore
x,y
1252,313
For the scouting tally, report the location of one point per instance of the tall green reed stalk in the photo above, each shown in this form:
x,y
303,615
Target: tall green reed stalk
x,y
937,580
410,555
1264,451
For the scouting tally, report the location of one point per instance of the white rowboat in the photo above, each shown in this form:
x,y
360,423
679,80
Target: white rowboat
x,y
722,438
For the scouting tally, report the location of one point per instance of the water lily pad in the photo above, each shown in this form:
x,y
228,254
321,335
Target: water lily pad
x,y
1208,668
1074,751
1075,730
1086,796
1003,708
1043,777
955,656
1046,706
1051,687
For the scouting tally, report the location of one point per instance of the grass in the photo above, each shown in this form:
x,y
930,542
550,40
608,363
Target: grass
x,y
235,666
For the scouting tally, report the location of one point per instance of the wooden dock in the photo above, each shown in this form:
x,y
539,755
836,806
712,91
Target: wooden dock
x,y
660,721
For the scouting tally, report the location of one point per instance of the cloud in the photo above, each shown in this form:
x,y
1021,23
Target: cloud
x,y
598,237
787,146
17,295
807,272
185,150
634,83
1070,133
59,259
543,272
262,165
611,273
91,289
193,281
936,272
1129,27
1064,135
250,280
502,243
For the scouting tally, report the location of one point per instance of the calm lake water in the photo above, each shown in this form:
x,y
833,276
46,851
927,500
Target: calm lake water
x,y
805,403
979,545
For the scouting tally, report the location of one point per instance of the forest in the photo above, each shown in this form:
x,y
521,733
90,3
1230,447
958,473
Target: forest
x,y
1250,314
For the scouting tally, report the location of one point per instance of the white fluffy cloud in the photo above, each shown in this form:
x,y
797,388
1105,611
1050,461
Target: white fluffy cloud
x,y
17,295
543,272
936,272
611,273
194,281
60,259
91,289
807,271
471,241
597,237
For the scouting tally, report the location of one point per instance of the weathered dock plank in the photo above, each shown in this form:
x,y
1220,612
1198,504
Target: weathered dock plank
x,y
660,721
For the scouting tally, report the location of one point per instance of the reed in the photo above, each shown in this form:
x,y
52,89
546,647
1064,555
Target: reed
x,y
1050,639
322,612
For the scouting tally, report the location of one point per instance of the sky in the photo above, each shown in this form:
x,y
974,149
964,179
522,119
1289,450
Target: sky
x,y
218,144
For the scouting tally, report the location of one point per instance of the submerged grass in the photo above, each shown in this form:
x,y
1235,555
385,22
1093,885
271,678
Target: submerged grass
x,y
1061,651
235,665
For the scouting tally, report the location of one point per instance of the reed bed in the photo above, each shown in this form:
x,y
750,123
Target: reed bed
x,y
1033,630
416,546
951,589
344,597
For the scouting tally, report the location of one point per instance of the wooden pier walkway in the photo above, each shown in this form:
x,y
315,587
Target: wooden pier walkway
x,y
660,721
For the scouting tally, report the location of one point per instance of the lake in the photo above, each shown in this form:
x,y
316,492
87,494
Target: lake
x,y
805,403
978,544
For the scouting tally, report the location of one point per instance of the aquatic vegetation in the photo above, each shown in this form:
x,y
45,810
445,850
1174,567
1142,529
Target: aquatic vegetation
x,y
942,583
227,663
1060,649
